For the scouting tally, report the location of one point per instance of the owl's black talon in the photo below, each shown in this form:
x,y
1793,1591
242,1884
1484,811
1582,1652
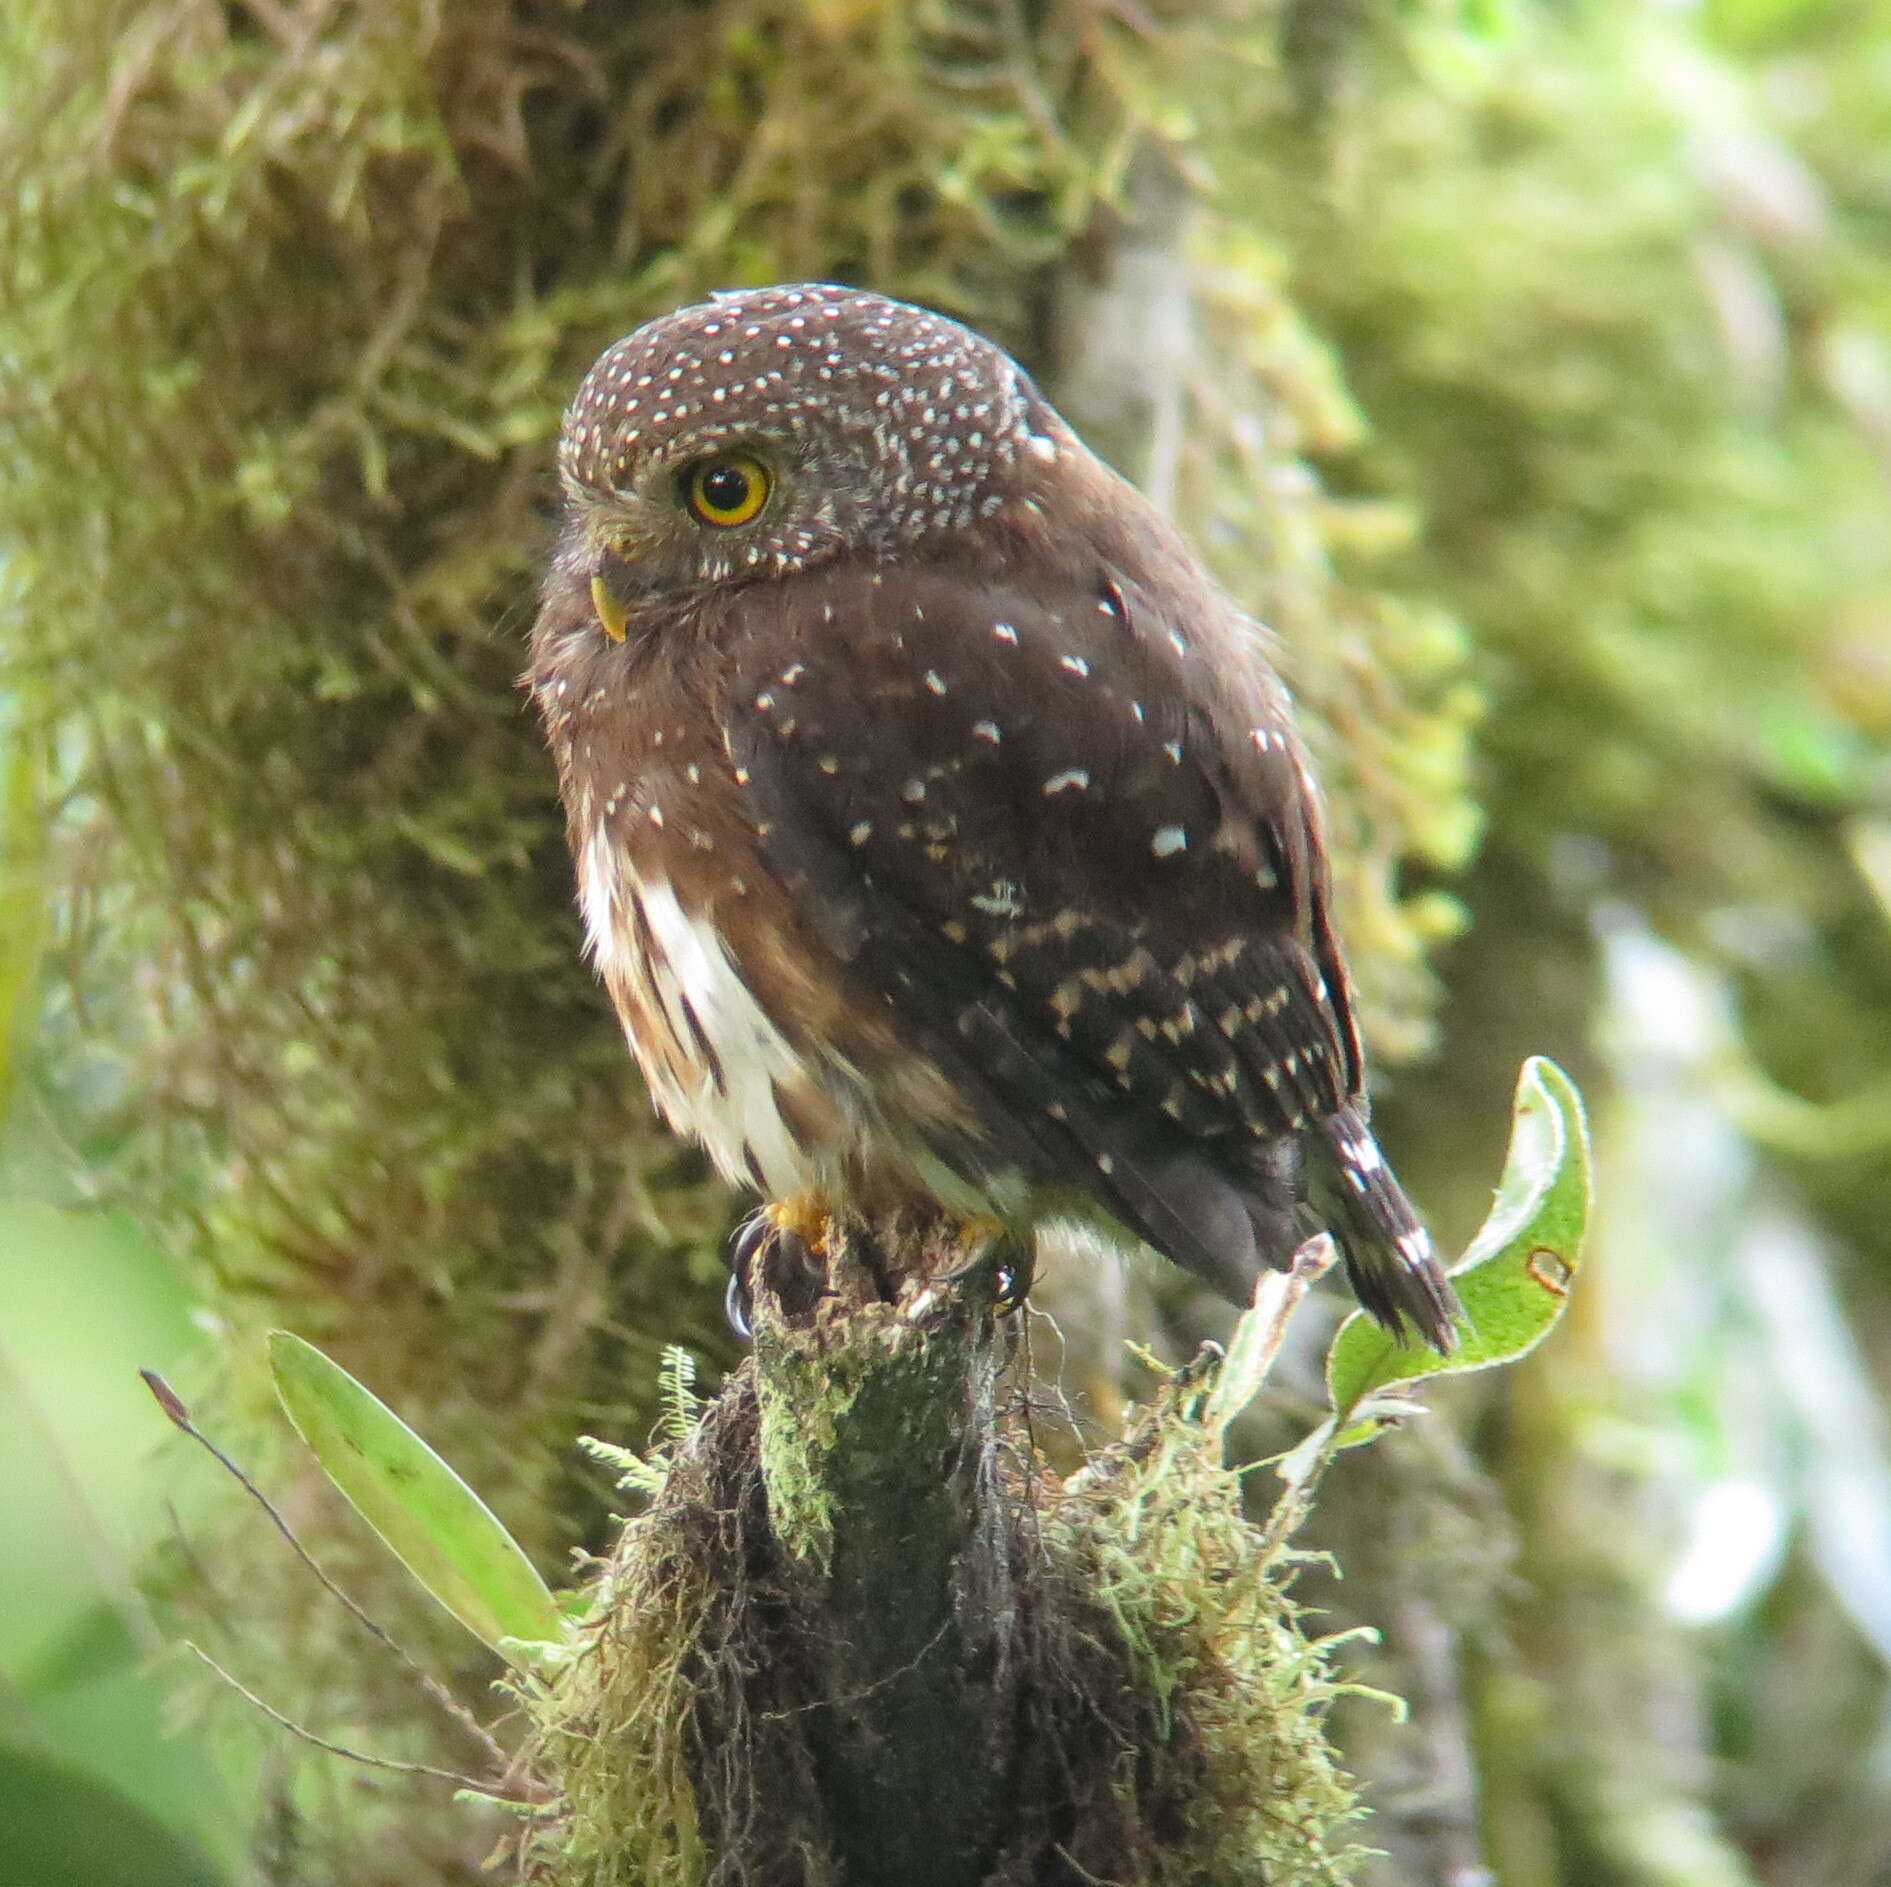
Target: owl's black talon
x,y
738,1303
1017,1272
793,1274
736,1307
766,1250
750,1236
783,1262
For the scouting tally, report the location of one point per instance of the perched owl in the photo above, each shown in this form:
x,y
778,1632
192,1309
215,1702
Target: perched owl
x,y
942,833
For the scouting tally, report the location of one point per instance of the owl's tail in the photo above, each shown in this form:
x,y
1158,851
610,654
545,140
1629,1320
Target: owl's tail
x,y
1390,1260
1227,1229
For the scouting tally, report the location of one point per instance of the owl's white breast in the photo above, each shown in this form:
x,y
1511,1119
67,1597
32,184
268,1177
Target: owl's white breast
x,y
715,1062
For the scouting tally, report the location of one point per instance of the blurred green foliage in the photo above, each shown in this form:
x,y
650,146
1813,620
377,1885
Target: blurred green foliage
x,y
93,1791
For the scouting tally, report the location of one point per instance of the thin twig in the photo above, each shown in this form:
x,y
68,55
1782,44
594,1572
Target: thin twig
x,y
338,1749
178,1415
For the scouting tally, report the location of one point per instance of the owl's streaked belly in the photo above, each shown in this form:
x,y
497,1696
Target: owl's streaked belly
x,y
772,1115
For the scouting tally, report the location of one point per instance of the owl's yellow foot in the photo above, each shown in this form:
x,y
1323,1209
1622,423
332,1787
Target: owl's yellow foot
x,y
979,1230
802,1215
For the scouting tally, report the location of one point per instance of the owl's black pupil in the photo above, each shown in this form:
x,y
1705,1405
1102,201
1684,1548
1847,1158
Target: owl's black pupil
x,y
724,488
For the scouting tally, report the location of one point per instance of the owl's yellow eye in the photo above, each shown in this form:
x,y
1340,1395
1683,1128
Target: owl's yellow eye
x,y
727,490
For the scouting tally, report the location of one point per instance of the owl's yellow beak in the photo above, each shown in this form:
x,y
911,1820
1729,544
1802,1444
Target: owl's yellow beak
x,y
612,614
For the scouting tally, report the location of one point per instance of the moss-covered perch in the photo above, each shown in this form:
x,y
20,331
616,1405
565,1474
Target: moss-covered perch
x,y
879,1449
863,1635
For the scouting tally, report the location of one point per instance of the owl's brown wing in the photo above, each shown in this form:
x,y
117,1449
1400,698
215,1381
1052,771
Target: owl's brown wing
x,y
1083,871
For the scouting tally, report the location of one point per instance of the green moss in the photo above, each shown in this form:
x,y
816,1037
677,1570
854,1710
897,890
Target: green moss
x,y
1171,1704
613,1742
1155,1531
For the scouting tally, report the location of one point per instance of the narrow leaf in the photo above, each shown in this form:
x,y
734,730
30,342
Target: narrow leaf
x,y
1256,1339
441,1531
1514,1280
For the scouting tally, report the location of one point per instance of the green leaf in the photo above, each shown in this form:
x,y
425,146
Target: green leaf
x,y
69,1828
441,1531
1514,1280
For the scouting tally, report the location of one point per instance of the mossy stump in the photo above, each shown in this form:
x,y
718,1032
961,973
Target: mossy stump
x,y
863,1634
879,1446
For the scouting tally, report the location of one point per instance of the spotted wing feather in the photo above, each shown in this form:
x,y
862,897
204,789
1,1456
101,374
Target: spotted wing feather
x,y
1029,826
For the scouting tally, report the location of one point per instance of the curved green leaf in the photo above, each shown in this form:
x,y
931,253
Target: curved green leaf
x,y
1514,1279
441,1531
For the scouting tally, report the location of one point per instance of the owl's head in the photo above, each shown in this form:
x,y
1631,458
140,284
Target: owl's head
x,y
775,428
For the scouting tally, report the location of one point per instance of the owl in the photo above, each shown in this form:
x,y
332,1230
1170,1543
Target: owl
x,y
942,834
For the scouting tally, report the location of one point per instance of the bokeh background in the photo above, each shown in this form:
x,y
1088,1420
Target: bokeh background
x,y
1524,364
